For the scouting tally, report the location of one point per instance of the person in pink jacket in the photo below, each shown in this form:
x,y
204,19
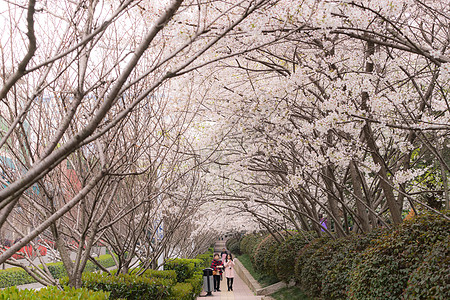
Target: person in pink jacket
x,y
229,271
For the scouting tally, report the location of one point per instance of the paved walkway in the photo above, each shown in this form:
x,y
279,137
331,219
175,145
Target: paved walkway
x,y
240,290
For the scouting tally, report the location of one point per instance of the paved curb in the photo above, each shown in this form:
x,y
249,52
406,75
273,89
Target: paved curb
x,y
254,285
246,276
268,290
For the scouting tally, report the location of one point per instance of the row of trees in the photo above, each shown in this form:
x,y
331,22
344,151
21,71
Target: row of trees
x,y
96,148
339,123
120,118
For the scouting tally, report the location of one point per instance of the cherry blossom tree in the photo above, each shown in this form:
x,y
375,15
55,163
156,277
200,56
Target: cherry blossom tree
x,y
90,64
339,118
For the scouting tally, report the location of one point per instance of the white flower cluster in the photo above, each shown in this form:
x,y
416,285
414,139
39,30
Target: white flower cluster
x,y
403,176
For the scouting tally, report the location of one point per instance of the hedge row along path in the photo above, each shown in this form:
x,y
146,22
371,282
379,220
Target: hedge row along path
x,y
38,286
240,290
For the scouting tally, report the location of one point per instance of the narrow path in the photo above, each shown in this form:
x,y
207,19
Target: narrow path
x,y
240,290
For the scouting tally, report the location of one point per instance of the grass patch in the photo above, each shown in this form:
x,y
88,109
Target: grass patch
x,y
264,280
289,293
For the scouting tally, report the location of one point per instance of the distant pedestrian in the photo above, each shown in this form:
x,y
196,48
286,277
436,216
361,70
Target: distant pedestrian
x,y
223,255
323,223
229,271
217,267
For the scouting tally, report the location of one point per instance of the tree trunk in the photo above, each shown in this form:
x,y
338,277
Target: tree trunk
x,y
357,189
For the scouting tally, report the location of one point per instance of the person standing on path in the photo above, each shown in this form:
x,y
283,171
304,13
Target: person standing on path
x,y
229,271
217,267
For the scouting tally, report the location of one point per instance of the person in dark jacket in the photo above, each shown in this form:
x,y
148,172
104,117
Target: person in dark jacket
x,y
217,267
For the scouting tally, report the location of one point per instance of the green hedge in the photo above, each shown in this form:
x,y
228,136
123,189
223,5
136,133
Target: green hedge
x,y
126,286
319,264
233,245
170,275
197,282
336,282
249,242
52,293
18,276
264,253
182,291
14,276
206,258
385,268
303,257
431,280
185,268
285,256
410,261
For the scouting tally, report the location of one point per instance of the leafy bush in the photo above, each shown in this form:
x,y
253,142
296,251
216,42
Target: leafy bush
x,y
182,291
105,260
303,257
14,276
318,264
263,279
184,268
249,242
247,239
235,248
197,282
386,266
431,280
233,245
170,275
286,255
336,282
206,259
57,269
231,241
264,253
18,276
127,286
52,293
257,255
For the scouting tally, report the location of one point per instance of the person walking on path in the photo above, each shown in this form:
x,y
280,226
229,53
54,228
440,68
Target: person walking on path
x,y
229,271
217,267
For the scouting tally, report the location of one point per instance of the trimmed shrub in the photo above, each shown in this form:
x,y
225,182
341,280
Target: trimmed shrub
x,y
206,259
385,267
52,293
431,280
184,268
57,269
336,282
318,264
264,253
233,245
257,257
182,291
285,256
14,276
169,275
249,243
235,248
230,241
197,282
105,260
303,257
246,240
127,286
18,276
